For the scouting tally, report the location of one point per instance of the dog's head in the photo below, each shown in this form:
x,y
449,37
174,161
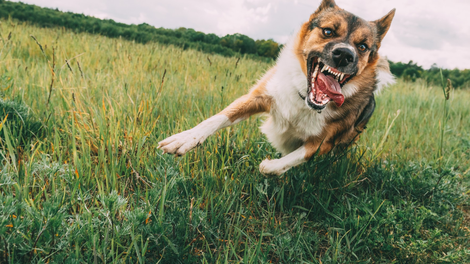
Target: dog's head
x,y
335,47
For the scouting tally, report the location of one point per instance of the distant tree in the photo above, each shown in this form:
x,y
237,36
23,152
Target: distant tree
x,y
267,48
240,43
211,39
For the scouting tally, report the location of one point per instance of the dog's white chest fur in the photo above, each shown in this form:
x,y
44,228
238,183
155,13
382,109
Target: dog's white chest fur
x,y
290,120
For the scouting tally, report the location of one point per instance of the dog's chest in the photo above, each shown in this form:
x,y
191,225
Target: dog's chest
x,y
289,113
288,130
302,122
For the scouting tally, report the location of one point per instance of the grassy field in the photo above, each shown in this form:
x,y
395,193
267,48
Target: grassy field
x,y
81,179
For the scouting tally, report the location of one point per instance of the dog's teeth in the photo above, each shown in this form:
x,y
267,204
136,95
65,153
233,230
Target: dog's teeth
x,y
319,60
324,68
341,77
315,73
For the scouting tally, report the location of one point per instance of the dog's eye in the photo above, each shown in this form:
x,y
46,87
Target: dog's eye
x,y
362,47
328,32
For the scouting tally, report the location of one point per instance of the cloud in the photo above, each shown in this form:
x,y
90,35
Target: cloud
x,y
430,32
237,16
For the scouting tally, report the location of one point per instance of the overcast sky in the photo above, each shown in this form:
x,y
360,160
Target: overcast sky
x,y
425,31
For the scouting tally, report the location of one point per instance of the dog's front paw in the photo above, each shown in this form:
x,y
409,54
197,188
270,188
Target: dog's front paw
x,y
181,143
271,168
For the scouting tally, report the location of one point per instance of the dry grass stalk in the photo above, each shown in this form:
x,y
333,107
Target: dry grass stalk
x,y
68,65
53,75
80,68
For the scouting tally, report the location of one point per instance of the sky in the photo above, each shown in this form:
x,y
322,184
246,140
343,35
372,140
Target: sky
x,y
425,31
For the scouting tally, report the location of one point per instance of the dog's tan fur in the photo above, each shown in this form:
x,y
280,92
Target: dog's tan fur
x,y
257,101
292,127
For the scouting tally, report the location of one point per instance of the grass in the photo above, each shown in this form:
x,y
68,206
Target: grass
x,y
90,186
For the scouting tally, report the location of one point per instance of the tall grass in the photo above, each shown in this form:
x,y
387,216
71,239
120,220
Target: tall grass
x,y
92,187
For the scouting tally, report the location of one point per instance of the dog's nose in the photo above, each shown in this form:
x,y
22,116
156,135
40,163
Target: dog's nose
x,y
343,57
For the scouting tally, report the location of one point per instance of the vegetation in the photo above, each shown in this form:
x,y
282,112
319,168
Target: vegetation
x,y
92,187
230,45
411,71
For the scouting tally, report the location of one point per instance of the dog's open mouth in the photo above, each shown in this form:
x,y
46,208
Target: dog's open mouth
x,y
324,84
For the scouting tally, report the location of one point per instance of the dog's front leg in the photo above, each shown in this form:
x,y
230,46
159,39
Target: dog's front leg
x,y
256,101
304,153
239,110
181,143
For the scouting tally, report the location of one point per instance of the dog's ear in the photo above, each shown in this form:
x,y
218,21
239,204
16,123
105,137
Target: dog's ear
x,y
383,24
325,4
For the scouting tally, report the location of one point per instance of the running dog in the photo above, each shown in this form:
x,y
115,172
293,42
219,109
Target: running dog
x,y
318,96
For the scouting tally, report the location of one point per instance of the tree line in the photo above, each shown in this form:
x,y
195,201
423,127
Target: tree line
x,y
412,71
229,45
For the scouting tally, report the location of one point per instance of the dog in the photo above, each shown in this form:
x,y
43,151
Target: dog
x,y
318,96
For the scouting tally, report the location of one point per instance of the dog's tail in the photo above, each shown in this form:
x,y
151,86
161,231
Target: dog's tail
x,y
383,75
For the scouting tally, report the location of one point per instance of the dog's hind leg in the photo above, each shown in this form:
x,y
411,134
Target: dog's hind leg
x,y
279,166
295,158
257,101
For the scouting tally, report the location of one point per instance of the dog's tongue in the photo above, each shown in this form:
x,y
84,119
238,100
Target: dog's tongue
x,y
331,87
